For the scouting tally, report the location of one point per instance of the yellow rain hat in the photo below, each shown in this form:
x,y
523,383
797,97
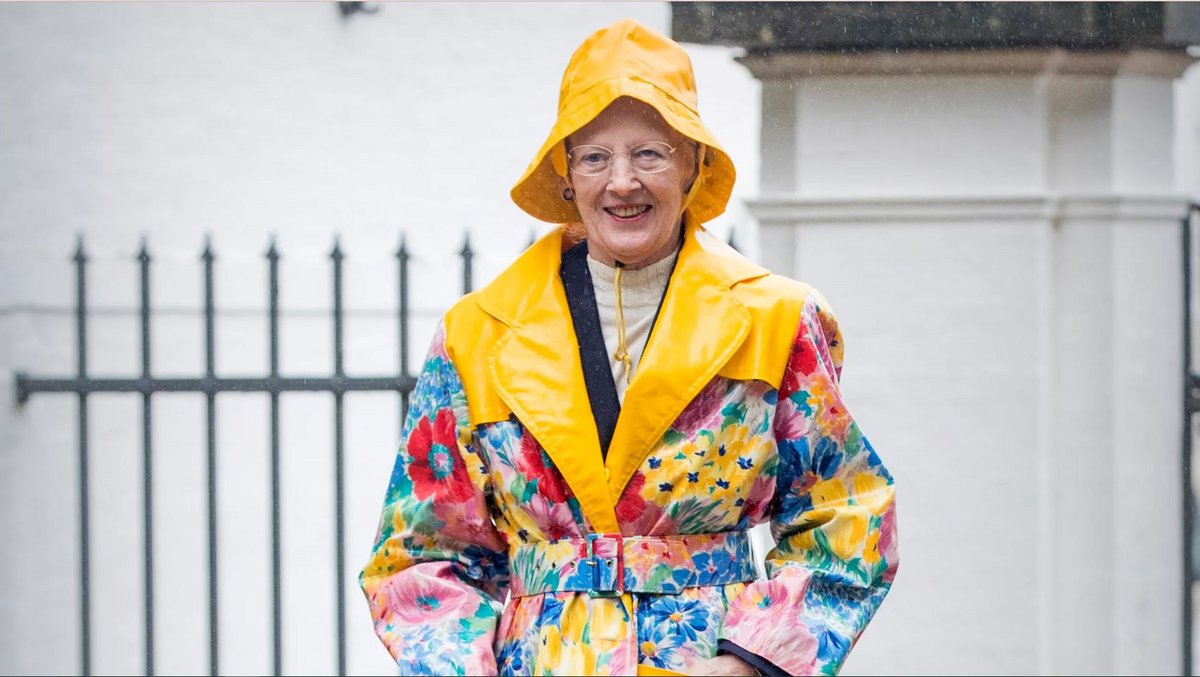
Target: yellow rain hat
x,y
625,59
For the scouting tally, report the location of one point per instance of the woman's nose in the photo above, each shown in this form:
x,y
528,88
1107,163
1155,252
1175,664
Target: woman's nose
x,y
621,176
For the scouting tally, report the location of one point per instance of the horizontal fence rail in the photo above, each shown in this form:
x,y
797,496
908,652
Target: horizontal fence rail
x,y
83,383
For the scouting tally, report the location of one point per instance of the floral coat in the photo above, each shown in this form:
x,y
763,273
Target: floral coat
x,y
733,418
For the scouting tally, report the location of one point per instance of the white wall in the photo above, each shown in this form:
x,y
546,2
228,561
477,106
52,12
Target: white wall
x,y
242,120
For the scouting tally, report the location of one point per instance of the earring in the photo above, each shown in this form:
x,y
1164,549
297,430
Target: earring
x,y
568,194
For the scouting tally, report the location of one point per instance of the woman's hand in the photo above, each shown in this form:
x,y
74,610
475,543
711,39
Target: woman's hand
x,y
725,664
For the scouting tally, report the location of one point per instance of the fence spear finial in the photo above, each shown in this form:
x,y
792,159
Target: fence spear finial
x,y
467,255
207,255
79,256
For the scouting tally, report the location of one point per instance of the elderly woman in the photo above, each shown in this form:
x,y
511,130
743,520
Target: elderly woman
x,y
594,433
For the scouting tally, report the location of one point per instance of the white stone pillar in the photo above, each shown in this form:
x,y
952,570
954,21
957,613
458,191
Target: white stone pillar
x,y
999,234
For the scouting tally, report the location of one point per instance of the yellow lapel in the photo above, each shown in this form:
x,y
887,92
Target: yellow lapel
x,y
701,325
535,369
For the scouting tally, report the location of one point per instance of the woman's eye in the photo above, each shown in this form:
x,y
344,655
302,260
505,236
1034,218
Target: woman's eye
x,y
648,154
593,158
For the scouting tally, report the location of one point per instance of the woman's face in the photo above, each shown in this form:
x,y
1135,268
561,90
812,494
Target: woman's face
x,y
630,216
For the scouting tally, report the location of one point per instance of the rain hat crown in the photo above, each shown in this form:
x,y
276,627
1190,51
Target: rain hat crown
x,y
625,59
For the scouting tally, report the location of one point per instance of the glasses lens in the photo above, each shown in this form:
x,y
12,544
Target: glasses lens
x,y
651,157
590,160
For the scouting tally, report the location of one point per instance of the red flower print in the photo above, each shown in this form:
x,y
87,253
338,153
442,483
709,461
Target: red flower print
x,y
803,361
761,493
535,464
632,505
437,470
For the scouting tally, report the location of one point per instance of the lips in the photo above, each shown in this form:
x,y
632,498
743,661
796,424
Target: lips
x,y
627,211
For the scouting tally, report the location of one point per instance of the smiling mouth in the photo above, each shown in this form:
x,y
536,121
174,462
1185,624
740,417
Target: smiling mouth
x,y
626,212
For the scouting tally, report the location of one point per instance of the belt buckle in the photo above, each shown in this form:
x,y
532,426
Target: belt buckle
x,y
618,564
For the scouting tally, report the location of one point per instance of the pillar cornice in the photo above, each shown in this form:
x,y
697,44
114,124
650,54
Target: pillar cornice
x,y
1056,61
795,211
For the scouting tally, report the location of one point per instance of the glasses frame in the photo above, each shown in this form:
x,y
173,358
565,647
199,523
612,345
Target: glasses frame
x,y
613,154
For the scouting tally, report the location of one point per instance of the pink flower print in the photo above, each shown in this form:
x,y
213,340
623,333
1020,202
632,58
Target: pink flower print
x,y
790,422
554,519
417,597
887,542
468,521
704,411
766,620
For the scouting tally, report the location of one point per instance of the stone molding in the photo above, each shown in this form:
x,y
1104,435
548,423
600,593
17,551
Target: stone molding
x,y
1146,62
780,211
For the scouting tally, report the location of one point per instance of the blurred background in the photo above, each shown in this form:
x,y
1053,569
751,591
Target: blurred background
x,y
994,196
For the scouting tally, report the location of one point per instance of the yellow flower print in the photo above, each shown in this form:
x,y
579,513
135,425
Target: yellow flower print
x,y
610,618
387,560
561,656
847,532
829,494
551,654
829,412
577,659
871,549
574,618
872,492
736,439
805,540
398,523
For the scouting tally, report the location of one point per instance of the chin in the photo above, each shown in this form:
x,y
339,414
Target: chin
x,y
633,252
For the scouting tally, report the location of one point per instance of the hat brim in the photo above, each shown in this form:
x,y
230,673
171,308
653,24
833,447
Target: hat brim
x,y
538,190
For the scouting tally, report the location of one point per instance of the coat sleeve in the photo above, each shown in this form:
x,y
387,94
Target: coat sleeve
x,y
438,573
833,520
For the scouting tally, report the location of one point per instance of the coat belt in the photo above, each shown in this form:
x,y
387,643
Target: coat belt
x,y
605,565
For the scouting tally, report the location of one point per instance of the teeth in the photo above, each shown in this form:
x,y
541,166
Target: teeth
x,y
626,212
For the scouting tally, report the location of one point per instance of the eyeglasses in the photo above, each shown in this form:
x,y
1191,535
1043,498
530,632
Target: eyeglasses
x,y
650,157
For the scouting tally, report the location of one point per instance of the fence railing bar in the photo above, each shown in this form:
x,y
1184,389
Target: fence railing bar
x,y
278,384
143,258
402,303
211,417
338,457
1190,386
276,591
468,256
85,603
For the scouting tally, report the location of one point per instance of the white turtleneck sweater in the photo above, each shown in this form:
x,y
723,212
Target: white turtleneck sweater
x,y
641,291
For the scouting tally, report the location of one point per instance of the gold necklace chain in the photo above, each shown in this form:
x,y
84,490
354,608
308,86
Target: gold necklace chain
x,y
622,354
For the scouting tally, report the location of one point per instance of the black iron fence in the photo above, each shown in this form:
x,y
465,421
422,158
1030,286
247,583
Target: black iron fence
x,y
210,384
1191,405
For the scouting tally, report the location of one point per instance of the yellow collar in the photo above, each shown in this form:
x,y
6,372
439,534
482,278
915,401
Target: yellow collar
x,y
535,367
